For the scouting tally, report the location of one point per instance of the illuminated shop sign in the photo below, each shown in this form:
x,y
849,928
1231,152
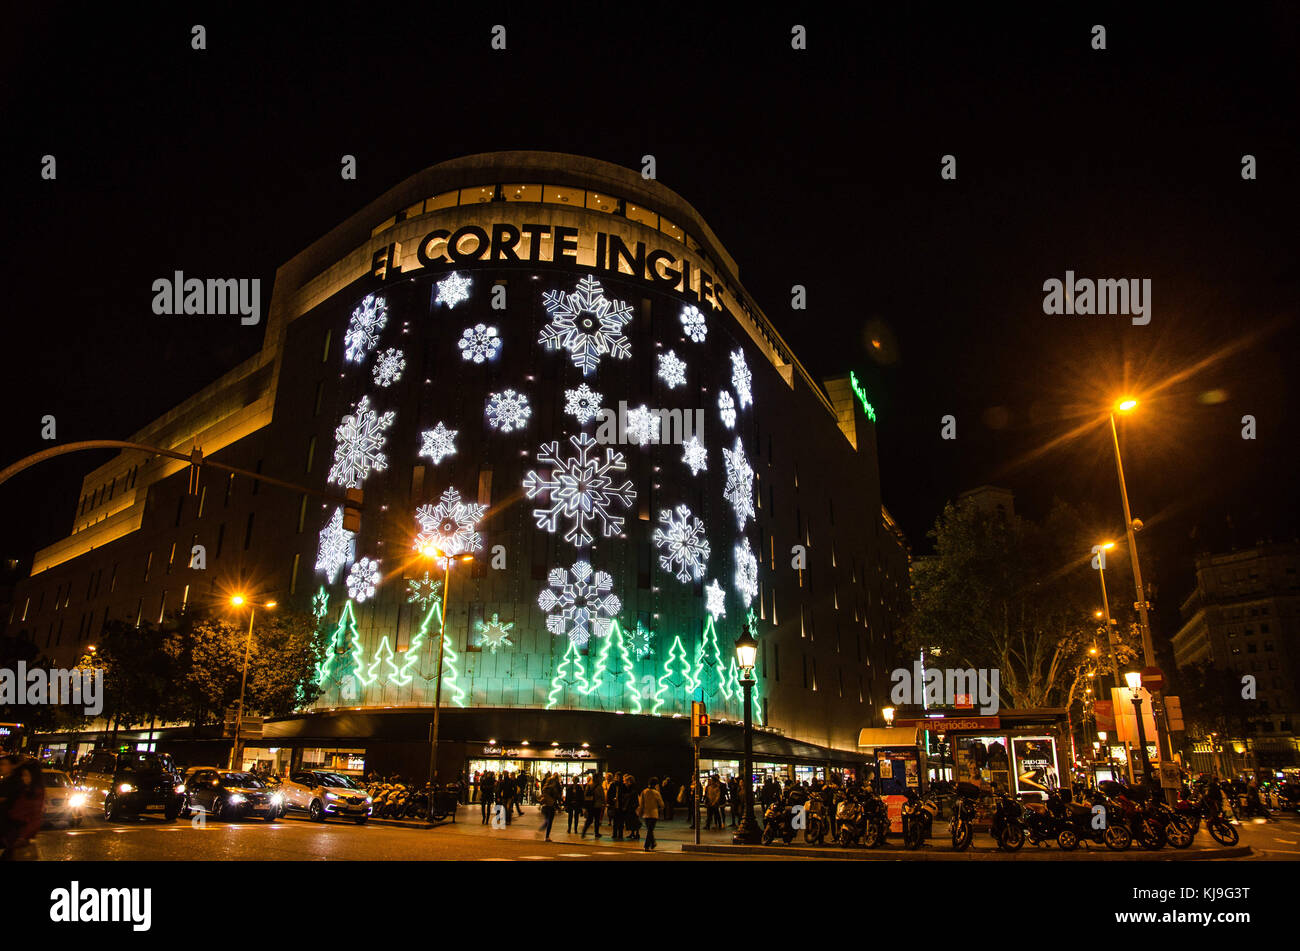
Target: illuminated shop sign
x,y
527,752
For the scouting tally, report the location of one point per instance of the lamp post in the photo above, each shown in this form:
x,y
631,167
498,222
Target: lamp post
x,y
447,557
1134,680
1110,636
888,713
746,652
236,750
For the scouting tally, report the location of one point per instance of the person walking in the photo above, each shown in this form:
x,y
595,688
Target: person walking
x,y
573,803
627,803
713,797
649,805
525,790
23,812
594,799
733,798
614,804
550,801
668,793
487,795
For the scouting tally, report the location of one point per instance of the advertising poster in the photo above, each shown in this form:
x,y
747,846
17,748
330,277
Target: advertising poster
x,y
1035,765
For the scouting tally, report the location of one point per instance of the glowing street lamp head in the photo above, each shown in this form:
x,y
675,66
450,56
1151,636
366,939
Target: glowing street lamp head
x,y
1126,404
1107,546
237,600
269,604
889,715
1134,680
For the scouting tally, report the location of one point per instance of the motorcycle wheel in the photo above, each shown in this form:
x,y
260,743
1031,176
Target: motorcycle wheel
x,y
814,834
1117,838
962,835
846,838
768,836
1178,833
1068,840
1013,837
873,835
1151,834
1224,832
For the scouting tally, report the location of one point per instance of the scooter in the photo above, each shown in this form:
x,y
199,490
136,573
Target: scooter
x,y
1097,822
850,818
816,824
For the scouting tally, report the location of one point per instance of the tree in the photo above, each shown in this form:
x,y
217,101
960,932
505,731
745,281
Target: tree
x,y
570,680
282,663
675,683
708,675
450,675
344,655
411,658
612,677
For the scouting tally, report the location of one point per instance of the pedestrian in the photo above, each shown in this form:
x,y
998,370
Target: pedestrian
x,y
594,798
713,798
668,793
524,789
487,794
627,803
506,792
649,805
23,812
614,805
550,799
733,797
573,803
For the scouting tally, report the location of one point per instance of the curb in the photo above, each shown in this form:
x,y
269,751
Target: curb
x,y
975,855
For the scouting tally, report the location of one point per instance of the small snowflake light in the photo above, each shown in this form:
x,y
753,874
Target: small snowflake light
x,y
453,289
438,443
641,642
693,323
672,370
727,409
715,599
581,489
508,410
359,443
449,526
493,634
422,591
642,425
587,324
320,603
335,547
741,378
746,571
739,490
479,343
388,367
695,455
363,329
683,544
578,603
583,403
363,579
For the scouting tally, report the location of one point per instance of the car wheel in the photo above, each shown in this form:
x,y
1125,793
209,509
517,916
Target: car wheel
x,y
361,820
171,812
316,811
112,810
218,808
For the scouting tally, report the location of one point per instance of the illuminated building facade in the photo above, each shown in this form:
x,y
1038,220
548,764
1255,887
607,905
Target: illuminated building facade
x,y
550,363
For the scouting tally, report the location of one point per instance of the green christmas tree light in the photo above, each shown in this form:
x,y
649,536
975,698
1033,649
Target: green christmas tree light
x,y
676,683
731,683
755,707
707,675
345,653
406,673
569,675
383,657
622,681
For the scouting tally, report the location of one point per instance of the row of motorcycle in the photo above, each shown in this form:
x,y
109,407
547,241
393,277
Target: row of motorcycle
x,y
398,800
1113,815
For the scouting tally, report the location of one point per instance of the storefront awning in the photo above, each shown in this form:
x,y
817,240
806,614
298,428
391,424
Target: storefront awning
x,y
871,737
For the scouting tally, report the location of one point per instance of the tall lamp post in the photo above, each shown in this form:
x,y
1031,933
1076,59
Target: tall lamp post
x,y
1134,680
236,750
746,653
1111,640
447,558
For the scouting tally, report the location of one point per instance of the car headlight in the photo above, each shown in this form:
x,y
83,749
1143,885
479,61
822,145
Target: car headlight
x,y
125,788
77,800
277,798
368,800
235,798
330,795
180,788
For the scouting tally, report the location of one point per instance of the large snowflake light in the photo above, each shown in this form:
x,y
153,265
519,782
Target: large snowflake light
x,y
715,599
642,425
493,634
672,369
388,367
695,455
746,571
363,578
438,443
422,591
727,409
575,602
693,323
581,489
479,343
335,547
449,526
683,543
741,378
587,324
359,443
583,403
453,289
508,410
740,484
363,329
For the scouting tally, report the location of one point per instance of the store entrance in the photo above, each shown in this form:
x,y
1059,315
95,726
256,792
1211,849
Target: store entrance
x,y
532,770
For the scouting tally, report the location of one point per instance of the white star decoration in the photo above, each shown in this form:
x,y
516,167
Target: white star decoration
x,y
693,323
715,598
695,455
746,571
388,367
727,409
683,542
479,343
740,484
741,378
363,579
672,370
335,546
359,445
508,410
439,443
581,489
363,329
453,289
583,403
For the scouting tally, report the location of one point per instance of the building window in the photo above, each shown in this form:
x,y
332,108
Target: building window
x,y
203,497
112,579
325,346
171,558
180,509
230,487
148,566
320,392
311,452
248,532
293,579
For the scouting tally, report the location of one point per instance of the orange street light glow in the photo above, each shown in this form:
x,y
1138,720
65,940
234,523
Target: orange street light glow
x,y
1127,404
237,600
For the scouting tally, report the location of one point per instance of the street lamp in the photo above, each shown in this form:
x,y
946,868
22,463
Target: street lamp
x,y
1111,641
746,654
236,749
889,716
1134,681
432,551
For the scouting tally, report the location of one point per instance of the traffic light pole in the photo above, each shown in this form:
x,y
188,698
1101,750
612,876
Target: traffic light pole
x,y
695,791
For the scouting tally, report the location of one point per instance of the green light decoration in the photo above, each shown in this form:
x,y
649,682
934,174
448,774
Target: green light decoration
x,y
731,683
756,708
615,682
320,604
383,657
406,673
449,658
675,685
862,395
345,653
707,675
570,675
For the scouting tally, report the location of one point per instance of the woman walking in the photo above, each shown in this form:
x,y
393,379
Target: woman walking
x,y
550,796
650,805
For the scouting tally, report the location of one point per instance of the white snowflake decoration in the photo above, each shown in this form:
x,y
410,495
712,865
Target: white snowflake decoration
x,y
363,329
363,578
715,599
641,642
581,489
727,409
359,443
740,484
695,455
693,323
388,367
493,634
439,443
335,547
479,343
642,425
453,289
449,526
576,601
320,603
587,324
683,542
741,378
422,591
746,571
508,410
583,403
672,370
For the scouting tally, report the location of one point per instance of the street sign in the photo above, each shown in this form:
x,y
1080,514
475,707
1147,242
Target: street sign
x,y
1170,777
1153,679
1174,714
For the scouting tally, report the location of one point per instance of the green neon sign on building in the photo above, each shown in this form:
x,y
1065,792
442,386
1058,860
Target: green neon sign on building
x,y
862,395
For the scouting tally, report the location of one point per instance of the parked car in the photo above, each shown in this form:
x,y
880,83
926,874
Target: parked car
x,y
224,794
63,801
321,794
126,784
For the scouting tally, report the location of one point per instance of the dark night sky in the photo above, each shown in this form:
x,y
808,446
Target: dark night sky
x,y
819,168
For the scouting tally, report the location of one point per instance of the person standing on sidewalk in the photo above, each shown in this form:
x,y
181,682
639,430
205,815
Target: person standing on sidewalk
x,y
667,792
650,803
733,798
594,799
573,803
614,804
506,795
550,800
627,803
487,794
713,796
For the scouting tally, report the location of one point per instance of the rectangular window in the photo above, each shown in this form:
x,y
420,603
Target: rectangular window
x,y
185,598
112,579
311,452
171,558
230,487
221,538
203,497
162,606
643,215
139,611
485,486
521,192
417,482
293,579
257,483
180,509
248,532
148,566
320,391
302,514
325,345
445,200
814,672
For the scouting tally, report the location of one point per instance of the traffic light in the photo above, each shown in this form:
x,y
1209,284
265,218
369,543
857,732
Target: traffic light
x,y
352,511
699,720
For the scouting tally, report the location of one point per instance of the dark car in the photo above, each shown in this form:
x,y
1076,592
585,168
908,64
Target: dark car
x,y
224,794
129,784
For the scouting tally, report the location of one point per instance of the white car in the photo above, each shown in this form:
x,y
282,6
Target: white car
x,y
63,801
321,794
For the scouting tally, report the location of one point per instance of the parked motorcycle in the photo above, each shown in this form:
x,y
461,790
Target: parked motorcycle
x,y
1095,821
850,819
1008,829
1203,807
816,821
961,827
918,818
778,823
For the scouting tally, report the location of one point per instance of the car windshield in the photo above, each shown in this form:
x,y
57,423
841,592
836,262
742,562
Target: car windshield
x,y
242,780
56,779
143,762
334,779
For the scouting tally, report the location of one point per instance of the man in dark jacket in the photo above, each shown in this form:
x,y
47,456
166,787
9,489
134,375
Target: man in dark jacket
x,y
487,795
573,804
628,798
507,790
593,796
668,791
614,803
